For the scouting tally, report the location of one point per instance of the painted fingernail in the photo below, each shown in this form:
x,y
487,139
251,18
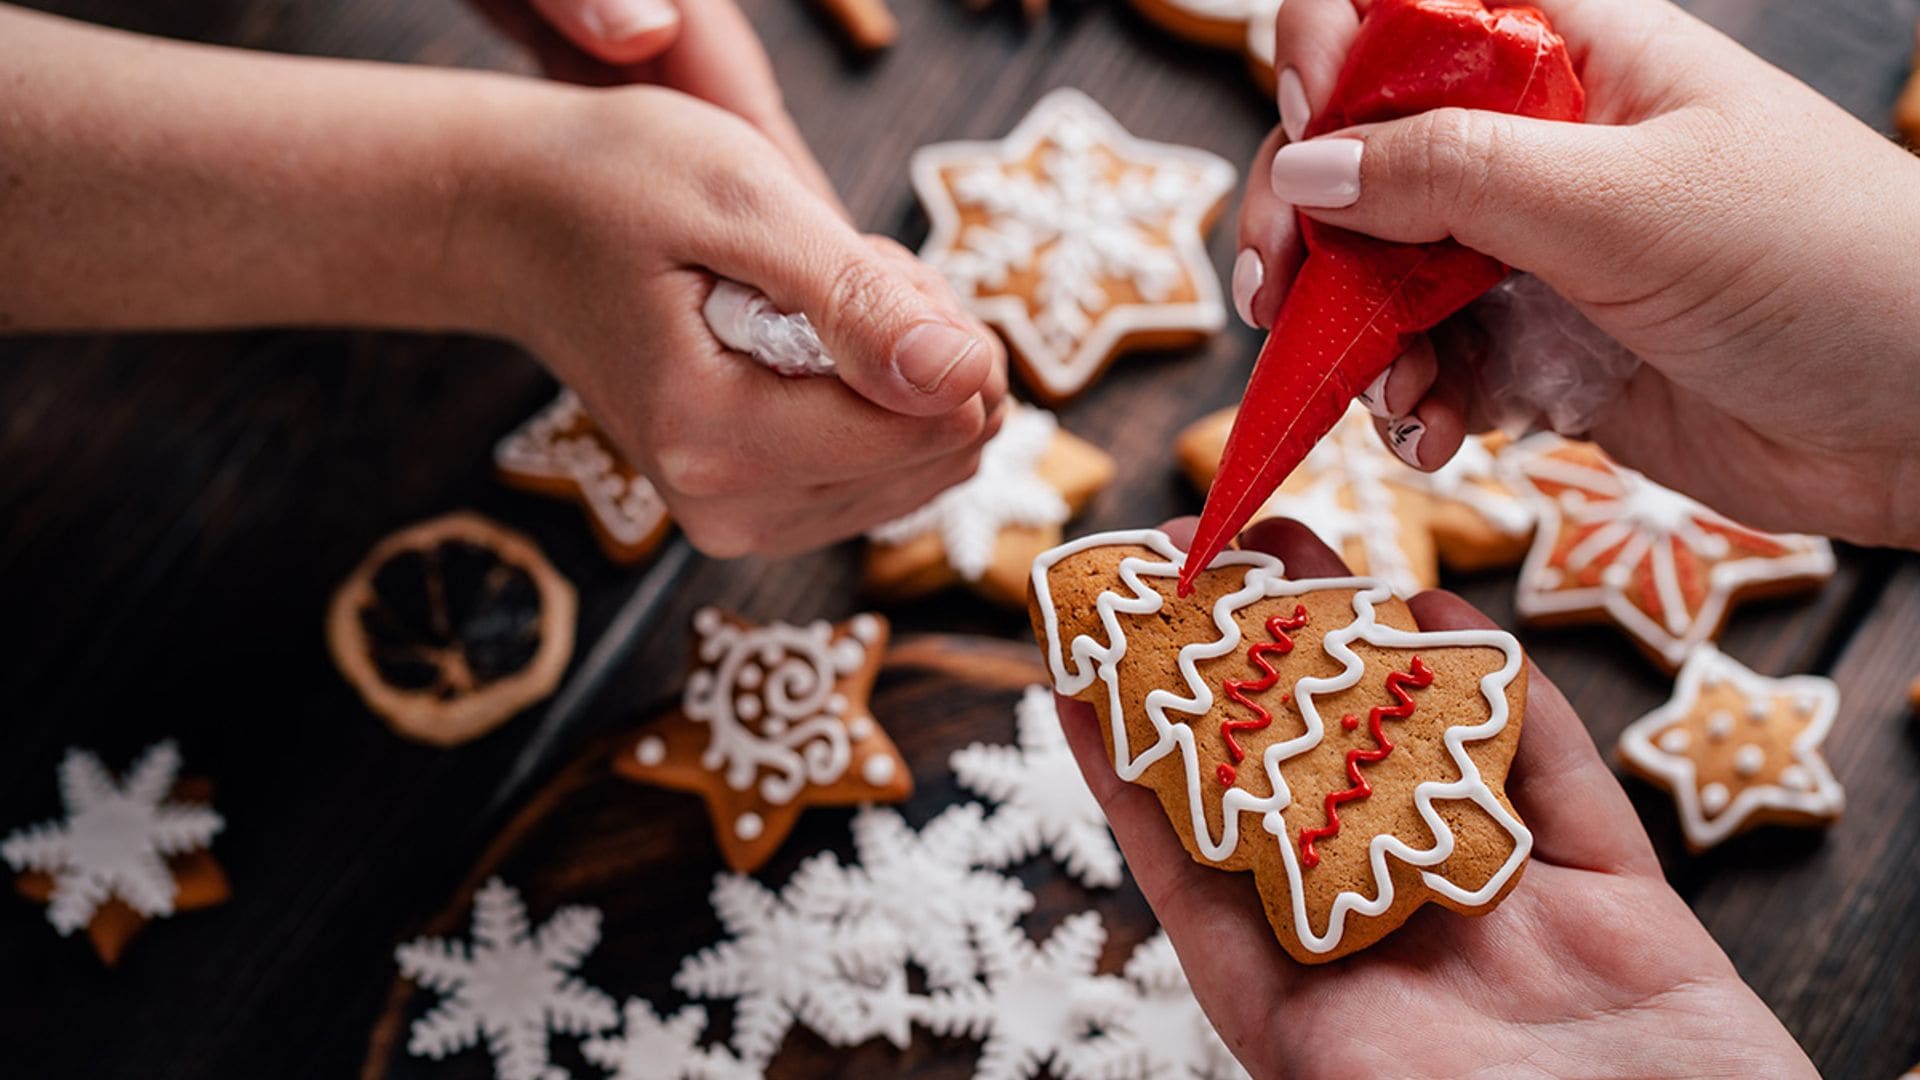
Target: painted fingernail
x,y
929,351
1404,436
1319,172
1294,110
618,20
1374,397
1249,271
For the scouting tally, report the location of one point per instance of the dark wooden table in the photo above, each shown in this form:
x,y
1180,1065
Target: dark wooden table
x,y
176,510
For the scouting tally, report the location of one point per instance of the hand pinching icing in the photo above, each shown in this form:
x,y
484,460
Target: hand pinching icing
x,y
773,719
560,452
1221,703
985,530
747,322
1738,749
1075,240
1613,544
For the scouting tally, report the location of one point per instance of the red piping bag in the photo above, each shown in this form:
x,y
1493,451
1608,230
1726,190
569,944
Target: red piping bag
x,y
1357,299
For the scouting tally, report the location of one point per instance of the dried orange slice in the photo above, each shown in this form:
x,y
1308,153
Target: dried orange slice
x,y
450,627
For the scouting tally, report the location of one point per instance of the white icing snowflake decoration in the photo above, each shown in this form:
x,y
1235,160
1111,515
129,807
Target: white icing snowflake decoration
x,y
1042,801
1160,1030
651,1048
1072,201
115,839
917,894
1007,490
1348,498
512,986
1040,1007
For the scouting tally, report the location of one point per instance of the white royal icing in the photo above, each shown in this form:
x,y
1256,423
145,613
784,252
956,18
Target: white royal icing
x,y
1711,813
1472,479
1075,228
1638,522
1260,30
1350,462
552,446
796,670
1006,491
1076,665
746,321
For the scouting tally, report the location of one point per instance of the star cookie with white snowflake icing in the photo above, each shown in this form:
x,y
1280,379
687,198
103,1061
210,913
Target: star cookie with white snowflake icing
x,y
1076,240
1738,749
1478,520
774,719
511,988
561,453
1614,545
1304,730
1042,803
127,851
649,1047
984,531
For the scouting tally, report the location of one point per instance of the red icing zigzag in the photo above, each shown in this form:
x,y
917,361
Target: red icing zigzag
x,y
1418,676
1282,644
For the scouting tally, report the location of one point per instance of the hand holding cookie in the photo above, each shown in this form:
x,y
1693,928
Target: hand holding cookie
x,y
644,199
1591,957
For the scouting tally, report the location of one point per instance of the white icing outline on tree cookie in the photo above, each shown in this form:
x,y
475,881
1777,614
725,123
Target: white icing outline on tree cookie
x,y
1264,578
1709,666
782,676
1536,596
1197,180
1007,490
627,507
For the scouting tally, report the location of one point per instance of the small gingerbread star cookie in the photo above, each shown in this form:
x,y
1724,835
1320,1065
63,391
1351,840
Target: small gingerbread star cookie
x,y
561,453
1076,240
1738,749
1614,545
985,531
774,719
1219,23
128,851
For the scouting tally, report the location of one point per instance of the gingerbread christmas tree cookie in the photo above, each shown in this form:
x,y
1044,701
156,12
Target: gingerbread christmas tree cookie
x,y
1738,749
1614,545
984,531
1306,731
1076,240
561,453
774,719
128,851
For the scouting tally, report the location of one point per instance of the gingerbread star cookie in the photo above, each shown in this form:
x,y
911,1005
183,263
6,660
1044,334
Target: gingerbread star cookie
x,y
561,453
1076,240
128,851
1613,545
1304,730
1738,749
774,719
1219,23
985,531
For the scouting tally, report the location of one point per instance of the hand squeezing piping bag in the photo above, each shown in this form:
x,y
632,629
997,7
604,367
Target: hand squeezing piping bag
x,y
1357,299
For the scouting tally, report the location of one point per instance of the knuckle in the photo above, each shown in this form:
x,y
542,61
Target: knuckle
x,y
1458,149
863,291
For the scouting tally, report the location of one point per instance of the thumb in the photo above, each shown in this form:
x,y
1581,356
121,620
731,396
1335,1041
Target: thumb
x,y
615,31
1543,195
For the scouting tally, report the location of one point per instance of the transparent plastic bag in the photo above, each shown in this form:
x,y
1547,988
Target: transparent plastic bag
x,y
1546,365
746,321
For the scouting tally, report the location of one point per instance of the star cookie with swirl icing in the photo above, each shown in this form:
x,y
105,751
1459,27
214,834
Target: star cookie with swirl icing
x,y
1614,546
561,453
1076,240
1738,749
773,719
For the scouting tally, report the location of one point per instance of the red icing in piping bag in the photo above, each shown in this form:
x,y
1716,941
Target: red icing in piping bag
x,y
1357,299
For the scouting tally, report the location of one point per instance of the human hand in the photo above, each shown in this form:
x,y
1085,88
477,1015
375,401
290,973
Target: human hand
x,y
1592,966
602,231
705,48
1715,216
